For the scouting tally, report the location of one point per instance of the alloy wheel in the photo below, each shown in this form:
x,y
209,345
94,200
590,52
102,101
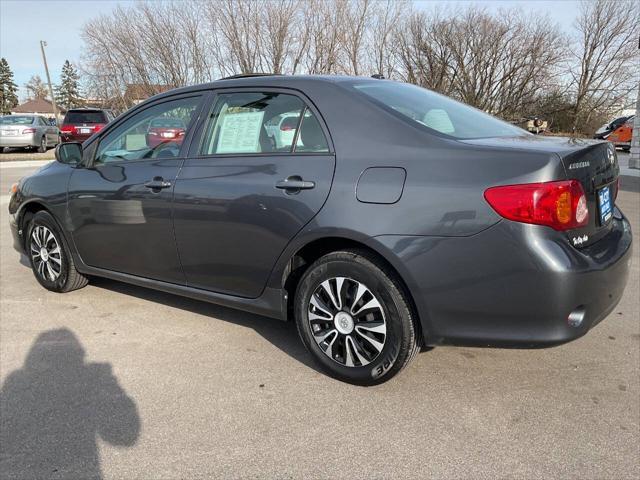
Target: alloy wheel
x,y
46,254
347,321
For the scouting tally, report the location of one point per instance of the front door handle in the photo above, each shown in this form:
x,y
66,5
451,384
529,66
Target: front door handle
x,y
294,184
157,184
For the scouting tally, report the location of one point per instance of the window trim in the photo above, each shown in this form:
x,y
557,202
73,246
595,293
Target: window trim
x,y
196,143
184,148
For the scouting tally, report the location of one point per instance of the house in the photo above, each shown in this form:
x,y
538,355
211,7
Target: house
x,y
39,106
136,93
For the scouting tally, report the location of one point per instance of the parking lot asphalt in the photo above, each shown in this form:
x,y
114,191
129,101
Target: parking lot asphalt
x,y
115,381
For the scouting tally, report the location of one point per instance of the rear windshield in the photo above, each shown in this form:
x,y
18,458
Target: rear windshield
x,y
85,117
167,123
438,113
16,120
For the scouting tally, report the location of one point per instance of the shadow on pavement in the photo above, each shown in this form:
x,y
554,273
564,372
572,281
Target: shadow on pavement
x,y
283,335
54,408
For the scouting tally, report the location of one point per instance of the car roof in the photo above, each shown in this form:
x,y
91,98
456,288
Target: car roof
x,y
273,81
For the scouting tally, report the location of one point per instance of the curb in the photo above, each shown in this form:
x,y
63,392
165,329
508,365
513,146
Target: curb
x,y
24,163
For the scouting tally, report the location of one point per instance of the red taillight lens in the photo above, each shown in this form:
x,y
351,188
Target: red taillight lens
x,y
560,205
286,128
28,130
98,127
67,128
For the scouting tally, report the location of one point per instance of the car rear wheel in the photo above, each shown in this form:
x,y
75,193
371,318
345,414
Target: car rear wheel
x,y
43,144
355,319
49,255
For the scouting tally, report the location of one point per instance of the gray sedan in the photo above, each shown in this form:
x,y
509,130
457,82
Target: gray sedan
x,y
393,217
28,131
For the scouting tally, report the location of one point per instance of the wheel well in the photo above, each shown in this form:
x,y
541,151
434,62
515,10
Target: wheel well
x,y
308,254
30,209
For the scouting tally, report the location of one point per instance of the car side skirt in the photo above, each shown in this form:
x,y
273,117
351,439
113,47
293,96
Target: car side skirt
x,y
272,303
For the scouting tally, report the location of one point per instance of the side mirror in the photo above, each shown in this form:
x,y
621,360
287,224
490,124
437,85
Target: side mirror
x,y
69,153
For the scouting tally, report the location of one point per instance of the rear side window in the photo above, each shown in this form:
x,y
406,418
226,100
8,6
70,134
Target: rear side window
x,y
438,113
265,122
85,117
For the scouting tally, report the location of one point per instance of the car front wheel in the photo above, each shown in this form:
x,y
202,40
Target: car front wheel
x,y
50,259
355,318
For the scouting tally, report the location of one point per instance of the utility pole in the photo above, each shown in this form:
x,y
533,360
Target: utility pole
x,y
634,157
46,69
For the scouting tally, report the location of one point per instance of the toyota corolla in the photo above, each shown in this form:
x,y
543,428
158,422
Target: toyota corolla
x,y
391,218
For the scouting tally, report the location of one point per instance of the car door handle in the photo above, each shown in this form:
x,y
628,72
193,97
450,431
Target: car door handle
x,y
158,183
295,184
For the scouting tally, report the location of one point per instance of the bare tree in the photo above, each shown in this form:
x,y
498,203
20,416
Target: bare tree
x,y
506,63
383,51
36,89
606,59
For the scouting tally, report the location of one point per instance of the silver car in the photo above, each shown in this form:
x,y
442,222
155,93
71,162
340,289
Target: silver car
x,y
28,131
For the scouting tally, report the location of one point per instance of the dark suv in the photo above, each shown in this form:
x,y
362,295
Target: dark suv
x,y
80,123
389,218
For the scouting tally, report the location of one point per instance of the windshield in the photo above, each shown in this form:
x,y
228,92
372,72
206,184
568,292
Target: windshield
x,y
16,120
436,112
85,117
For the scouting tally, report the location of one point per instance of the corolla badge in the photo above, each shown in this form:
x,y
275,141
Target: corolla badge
x,y
575,165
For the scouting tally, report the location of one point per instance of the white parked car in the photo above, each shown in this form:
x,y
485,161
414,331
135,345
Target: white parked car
x,y
28,131
283,128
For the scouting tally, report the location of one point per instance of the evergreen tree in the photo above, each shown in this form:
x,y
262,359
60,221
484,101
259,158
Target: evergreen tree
x,y
68,92
8,88
36,88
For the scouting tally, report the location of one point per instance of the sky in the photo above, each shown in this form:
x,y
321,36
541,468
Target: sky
x,y
23,23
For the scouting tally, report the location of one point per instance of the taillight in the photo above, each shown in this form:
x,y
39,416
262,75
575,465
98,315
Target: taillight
x,y
560,205
98,127
28,130
67,128
286,128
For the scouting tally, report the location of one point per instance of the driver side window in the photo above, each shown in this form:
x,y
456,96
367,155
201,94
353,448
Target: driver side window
x,y
155,132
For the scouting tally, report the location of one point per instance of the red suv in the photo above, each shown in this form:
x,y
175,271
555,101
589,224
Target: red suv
x,y
80,123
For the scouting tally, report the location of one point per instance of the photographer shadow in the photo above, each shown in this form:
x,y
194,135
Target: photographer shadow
x,y
54,409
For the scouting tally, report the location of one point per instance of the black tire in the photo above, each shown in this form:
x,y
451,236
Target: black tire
x,y
68,277
401,340
43,145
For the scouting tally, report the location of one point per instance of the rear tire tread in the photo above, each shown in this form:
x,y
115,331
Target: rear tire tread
x,y
368,259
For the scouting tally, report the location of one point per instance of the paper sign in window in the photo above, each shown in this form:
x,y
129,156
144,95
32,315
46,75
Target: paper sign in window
x,y
240,133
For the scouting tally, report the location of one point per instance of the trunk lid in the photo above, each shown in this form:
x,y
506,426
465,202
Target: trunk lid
x,y
596,167
593,163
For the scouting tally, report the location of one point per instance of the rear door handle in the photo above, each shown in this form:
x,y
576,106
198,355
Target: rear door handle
x,y
158,183
295,184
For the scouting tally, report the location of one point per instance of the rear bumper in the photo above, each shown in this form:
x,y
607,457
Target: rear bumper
x,y
73,137
28,140
513,285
